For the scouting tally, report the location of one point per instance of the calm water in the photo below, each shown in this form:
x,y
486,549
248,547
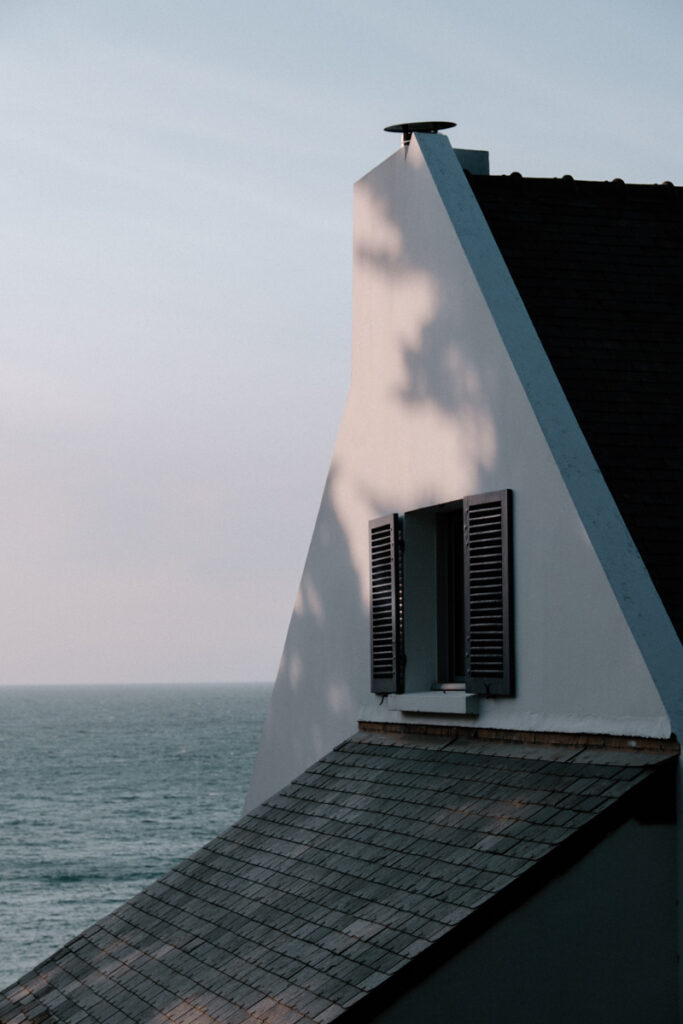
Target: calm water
x,y
104,788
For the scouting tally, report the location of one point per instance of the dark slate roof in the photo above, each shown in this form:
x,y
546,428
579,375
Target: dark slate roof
x,y
599,267
331,892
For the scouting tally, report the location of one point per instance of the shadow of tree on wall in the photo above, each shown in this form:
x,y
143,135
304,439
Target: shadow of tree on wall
x,y
436,370
324,675
312,689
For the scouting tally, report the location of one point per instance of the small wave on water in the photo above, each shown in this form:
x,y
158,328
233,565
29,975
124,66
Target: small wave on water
x,y
103,789
75,878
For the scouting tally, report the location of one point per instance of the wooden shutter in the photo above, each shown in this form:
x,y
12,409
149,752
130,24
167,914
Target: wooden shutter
x,y
488,593
386,605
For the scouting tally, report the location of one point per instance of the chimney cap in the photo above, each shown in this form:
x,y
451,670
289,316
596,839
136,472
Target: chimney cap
x,y
429,127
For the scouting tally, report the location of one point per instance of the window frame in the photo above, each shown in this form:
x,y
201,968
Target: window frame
x,y
476,652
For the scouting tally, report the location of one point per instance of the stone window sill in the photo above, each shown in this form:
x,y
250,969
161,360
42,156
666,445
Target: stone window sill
x,y
435,702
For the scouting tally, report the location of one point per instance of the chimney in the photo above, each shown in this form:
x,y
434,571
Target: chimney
x,y
475,161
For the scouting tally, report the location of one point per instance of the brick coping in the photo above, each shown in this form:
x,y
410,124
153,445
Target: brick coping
x,y
565,739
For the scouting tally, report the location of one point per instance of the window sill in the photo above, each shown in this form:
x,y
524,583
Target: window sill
x,y
435,702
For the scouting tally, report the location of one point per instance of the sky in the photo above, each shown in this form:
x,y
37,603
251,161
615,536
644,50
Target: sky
x,y
175,273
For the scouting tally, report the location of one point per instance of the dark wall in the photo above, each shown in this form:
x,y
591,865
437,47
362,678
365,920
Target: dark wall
x,y
596,945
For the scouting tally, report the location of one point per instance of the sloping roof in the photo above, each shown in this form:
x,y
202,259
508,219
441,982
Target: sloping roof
x,y
316,902
599,267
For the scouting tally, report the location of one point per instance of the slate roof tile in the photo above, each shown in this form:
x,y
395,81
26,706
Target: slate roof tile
x,y
291,916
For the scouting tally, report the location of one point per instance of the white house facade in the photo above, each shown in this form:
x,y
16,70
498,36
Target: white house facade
x,y
453,395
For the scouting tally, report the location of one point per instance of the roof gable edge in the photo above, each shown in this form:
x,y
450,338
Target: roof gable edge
x,y
631,583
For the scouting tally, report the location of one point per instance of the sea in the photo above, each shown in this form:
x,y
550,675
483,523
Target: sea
x,y
105,788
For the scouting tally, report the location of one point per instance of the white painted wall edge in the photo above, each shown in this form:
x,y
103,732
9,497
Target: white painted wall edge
x,y
634,590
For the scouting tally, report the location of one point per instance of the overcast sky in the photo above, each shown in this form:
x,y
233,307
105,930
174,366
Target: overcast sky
x,y
175,272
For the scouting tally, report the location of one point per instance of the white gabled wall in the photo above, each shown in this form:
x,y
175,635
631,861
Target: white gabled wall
x,y
638,599
436,411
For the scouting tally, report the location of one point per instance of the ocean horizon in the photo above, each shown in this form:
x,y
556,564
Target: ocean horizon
x,y
104,788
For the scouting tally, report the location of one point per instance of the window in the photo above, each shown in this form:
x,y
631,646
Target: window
x,y
441,597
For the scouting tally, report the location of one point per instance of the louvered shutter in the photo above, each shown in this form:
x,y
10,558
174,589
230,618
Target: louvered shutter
x,y
488,593
386,605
